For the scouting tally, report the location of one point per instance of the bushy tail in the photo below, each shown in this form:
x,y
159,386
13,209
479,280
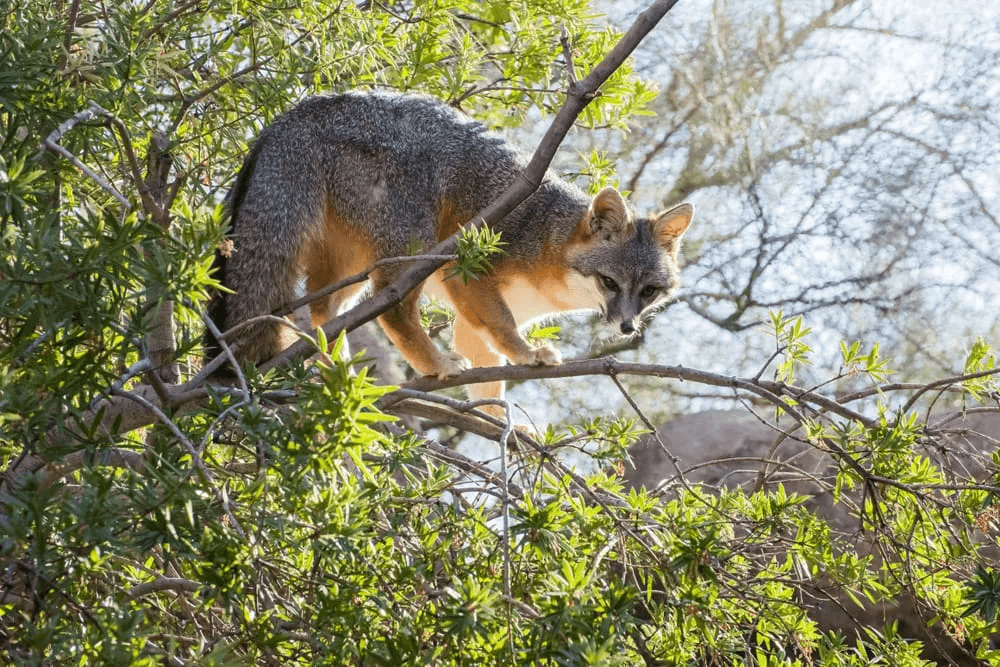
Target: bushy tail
x,y
217,306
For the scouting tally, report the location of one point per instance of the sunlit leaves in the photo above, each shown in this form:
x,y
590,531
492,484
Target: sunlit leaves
x,y
979,363
791,350
870,363
475,247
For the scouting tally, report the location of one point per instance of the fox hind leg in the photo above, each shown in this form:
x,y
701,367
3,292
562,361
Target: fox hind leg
x,y
472,345
486,332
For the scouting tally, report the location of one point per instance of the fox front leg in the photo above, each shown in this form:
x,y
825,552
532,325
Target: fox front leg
x,y
481,307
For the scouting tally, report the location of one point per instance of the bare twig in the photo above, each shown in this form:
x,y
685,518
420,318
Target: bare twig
x,y
175,584
153,207
71,24
649,425
169,423
505,498
51,142
227,353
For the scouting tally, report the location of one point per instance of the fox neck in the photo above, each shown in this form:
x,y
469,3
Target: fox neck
x,y
536,297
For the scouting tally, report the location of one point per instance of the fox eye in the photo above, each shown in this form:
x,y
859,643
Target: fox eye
x,y
608,283
647,292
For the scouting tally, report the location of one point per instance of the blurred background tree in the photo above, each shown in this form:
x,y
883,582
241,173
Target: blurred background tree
x,y
840,157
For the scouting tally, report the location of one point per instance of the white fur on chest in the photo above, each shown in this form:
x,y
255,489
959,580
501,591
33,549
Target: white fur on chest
x,y
529,301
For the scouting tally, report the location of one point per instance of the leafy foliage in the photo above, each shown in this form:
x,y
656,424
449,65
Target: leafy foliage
x,y
475,245
294,521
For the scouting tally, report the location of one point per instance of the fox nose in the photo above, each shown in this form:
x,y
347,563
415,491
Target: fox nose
x,y
628,328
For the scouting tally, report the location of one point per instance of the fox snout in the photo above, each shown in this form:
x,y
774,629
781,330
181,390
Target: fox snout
x,y
629,322
625,312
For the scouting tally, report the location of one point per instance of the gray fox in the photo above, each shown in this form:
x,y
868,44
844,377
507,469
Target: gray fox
x,y
340,181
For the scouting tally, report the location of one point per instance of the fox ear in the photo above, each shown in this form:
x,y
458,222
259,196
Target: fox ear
x,y
608,213
670,225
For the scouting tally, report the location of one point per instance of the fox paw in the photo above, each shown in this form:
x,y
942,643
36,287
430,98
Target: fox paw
x,y
546,355
450,365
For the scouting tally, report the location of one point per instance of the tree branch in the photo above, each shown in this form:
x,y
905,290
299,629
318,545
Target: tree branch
x,y
611,366
51,142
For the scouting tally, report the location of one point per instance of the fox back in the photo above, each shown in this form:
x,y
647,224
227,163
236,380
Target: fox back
x,y
341,181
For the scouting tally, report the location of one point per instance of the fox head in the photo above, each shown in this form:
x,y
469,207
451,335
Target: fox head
x,y
631,261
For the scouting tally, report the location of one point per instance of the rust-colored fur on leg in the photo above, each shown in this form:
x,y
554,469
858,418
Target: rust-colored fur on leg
x,y
339,252
402,325
480,303
486,332
473,344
